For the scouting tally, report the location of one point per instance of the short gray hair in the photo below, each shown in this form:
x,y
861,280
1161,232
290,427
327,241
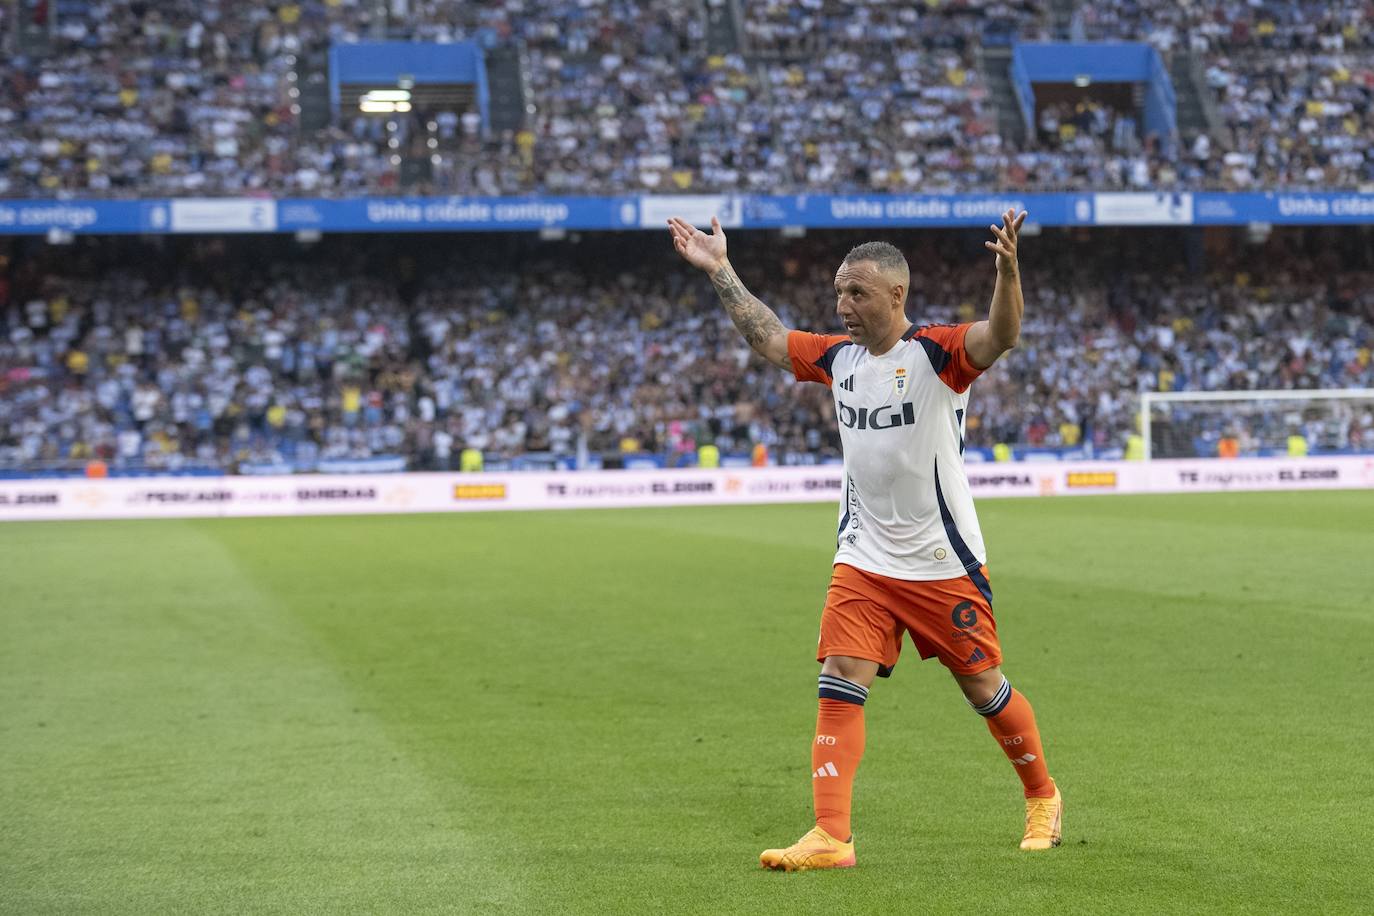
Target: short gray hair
x,y
886,256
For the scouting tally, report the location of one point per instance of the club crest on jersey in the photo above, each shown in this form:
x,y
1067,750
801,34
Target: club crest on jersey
x,y
899,382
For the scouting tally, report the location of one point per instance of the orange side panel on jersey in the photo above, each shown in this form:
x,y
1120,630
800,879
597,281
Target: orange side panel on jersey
x,y
811,355
949,355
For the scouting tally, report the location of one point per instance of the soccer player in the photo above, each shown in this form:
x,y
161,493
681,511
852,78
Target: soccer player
x,y
909,556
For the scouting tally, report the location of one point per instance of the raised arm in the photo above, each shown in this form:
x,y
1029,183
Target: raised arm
x,y
989,339
756,322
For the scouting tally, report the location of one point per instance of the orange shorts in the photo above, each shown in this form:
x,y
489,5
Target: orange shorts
x,y
866,614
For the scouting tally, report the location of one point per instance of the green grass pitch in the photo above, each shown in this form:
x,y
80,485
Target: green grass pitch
x,y
611,712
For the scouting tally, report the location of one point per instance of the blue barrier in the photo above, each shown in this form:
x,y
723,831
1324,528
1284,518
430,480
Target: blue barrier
x,y
438,214
1024,91
1161,103
814,211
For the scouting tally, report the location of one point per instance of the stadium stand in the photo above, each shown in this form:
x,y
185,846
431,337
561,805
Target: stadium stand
x,y
1294,83
236,354
242,353
184,99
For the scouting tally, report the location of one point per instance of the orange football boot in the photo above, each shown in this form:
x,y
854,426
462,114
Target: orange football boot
x,y
1044,818
817,849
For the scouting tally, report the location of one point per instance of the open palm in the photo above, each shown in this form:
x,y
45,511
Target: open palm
x,y
1007,235
702,251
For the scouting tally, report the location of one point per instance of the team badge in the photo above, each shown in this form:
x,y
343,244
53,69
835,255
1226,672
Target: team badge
x,y
899,382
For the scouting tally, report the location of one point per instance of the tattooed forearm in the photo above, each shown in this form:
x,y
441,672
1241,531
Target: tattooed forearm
x,y
752,318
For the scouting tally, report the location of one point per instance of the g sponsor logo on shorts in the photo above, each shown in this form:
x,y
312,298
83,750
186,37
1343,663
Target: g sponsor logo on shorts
x,y
964,615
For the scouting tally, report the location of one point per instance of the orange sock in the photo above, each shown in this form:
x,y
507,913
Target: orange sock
x,y
1012,722
836,752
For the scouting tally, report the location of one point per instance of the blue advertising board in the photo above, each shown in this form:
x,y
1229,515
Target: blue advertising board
x,y
814,211
463,214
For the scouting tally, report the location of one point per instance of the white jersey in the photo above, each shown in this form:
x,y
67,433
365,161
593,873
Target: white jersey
x,y
906,512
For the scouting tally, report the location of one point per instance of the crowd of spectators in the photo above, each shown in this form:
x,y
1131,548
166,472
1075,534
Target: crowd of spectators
x,y
134,98
223,354
804,28
1296,118
1293,83
1086,126
131,98
1230,26
1089,143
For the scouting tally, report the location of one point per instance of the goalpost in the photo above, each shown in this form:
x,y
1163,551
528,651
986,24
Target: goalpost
x,y
1191,424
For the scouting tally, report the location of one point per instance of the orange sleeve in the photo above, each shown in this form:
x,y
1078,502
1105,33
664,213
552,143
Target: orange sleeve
x,y
944,344
812,354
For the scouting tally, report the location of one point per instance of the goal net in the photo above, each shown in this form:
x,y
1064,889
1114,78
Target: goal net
x,y
1210,424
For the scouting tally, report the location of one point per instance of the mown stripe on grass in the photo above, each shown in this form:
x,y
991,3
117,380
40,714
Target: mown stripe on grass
x,y
173,739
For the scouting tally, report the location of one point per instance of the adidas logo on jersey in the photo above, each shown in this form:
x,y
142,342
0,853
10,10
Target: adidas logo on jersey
x,y
848,384
827,770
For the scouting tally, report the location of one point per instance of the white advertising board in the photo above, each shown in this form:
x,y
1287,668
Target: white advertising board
x,y
1156,208
199,497
697,209
230,214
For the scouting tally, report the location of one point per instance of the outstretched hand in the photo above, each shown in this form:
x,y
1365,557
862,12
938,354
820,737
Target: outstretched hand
x,y
1005,245
702,251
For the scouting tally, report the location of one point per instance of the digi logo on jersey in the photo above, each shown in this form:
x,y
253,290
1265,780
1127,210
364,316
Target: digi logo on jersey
x,y
885,417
